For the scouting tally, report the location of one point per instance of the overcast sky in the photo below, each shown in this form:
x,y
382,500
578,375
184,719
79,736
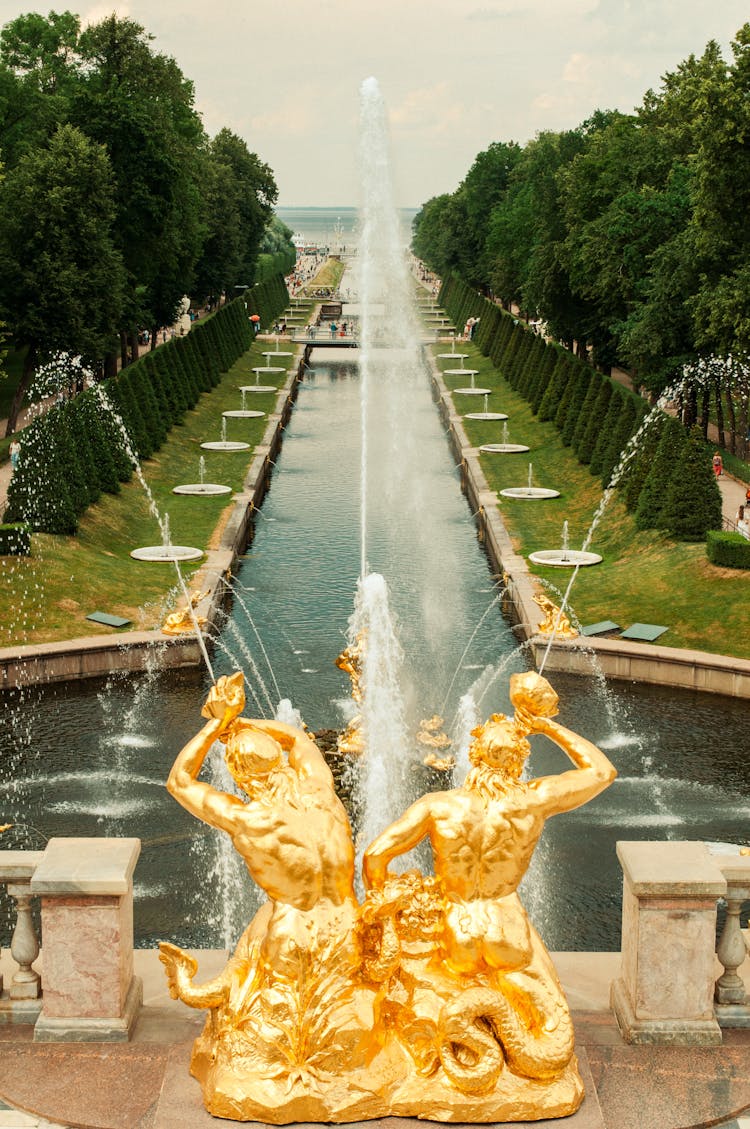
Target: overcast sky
x,y
456,74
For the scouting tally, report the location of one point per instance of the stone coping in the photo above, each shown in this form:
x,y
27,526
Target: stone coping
x,y
671,869
18,865
86,866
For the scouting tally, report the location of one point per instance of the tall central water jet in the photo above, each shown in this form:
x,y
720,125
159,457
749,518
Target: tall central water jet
x,y
388,357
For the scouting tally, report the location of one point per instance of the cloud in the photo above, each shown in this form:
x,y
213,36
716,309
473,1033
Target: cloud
x,y
101,12
431,110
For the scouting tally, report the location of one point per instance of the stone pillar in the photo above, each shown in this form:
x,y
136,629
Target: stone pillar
x,y
665,990
731,1001
90,992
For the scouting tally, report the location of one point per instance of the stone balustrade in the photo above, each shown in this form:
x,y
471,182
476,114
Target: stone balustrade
x,y
668,990
20,998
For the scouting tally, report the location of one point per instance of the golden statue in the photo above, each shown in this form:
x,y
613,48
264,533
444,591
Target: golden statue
x,y
352,740
183,622
433,998
555,622
442,764
431,733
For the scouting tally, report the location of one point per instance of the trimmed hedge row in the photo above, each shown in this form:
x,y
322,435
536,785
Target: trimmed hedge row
x,y
77,451
267,299
730,550
15,540
665,476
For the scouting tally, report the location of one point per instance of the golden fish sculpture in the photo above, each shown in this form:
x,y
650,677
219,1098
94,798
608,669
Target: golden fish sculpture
x,y
434,997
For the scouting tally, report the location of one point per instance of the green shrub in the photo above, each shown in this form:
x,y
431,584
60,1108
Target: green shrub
x,y
693,502
597,415
728,550
651,512
15,539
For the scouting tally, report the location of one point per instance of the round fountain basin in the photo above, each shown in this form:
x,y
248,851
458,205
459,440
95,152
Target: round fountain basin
x,y
485,415
460,371
503,448
243,413
166,554
225,445
471,391
205,489
278,353
269,368
453,356
258,388
565,558
529,492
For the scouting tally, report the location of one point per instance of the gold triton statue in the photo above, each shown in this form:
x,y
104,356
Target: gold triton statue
x,y
555,621
352,740
434,998
183,622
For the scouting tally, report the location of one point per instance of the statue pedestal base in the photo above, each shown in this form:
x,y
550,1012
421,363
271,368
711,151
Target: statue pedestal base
x,y
388,1086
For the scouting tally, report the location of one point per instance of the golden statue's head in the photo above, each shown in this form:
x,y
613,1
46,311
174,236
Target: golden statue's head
x,y
251,754
499,747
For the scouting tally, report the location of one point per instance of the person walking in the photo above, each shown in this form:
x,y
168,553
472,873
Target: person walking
x,y
718,464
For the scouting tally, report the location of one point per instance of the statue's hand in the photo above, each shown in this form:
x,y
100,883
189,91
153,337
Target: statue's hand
x,y
226,698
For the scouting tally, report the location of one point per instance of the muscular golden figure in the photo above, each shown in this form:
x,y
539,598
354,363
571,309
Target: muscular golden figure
x,y
484,834
293,833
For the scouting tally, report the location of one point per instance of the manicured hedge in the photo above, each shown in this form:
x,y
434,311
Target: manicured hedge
x,y
729,550
665,478
77,450
15,539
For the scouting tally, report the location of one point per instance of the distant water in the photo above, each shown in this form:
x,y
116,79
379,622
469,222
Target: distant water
x,y
320,225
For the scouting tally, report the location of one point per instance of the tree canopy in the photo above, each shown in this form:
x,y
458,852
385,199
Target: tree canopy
x,y
114,203
628,234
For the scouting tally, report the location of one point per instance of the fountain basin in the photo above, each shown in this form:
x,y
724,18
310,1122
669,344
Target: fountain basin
x,y
166,554
258,388
243,413
278,353
471,391
565,558
225,445
485,415
503,448
529,492
460,371
269,368
453,357
207,489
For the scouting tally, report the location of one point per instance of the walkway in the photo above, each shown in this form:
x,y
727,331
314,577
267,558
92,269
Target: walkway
x,y
145,1084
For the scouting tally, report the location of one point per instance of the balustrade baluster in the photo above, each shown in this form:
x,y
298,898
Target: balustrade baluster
x,y
24,946
732,1003
21,1001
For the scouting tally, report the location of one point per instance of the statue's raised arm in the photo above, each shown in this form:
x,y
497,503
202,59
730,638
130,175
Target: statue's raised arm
x,y
536,703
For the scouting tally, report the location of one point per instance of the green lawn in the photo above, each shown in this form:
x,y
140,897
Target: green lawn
x,y
644,577
48,595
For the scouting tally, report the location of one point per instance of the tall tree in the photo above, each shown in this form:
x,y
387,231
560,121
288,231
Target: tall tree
x,y
61,276
138,104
